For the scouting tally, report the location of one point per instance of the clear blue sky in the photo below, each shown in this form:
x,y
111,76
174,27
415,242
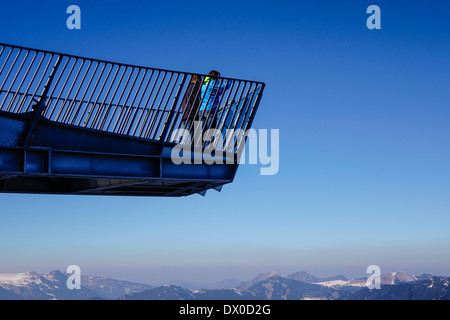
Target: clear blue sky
x,y
364,136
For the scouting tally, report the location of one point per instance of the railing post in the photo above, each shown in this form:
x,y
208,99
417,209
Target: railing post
x,y
39,107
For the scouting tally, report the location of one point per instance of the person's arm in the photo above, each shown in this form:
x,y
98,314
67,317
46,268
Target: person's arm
x,y
226,84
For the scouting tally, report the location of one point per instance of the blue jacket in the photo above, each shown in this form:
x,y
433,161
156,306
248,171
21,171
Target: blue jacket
x,y
214,90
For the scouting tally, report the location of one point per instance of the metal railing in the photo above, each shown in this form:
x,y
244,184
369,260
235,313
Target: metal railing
x,y
124,99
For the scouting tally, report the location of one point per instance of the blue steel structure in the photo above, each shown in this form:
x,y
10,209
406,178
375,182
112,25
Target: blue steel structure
x,y
73,125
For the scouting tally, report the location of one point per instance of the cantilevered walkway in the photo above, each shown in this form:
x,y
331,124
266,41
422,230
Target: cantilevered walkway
x,y
73,125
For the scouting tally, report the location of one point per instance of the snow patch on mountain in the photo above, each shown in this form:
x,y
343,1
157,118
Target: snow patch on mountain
x,y
20,279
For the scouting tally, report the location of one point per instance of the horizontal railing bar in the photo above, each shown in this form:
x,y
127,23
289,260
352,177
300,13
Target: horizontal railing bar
x,y
90,103
85,101
118,63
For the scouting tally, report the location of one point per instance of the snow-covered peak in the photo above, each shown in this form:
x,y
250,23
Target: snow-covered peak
x,y
19,279
396,277
275,274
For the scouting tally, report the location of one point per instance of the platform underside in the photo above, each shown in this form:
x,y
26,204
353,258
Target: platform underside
x,y
64,159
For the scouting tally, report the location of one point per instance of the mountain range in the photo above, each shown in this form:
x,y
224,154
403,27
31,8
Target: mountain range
x,y
266,286
53,286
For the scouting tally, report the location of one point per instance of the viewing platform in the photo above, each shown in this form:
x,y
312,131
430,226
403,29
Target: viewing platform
x,y
73,125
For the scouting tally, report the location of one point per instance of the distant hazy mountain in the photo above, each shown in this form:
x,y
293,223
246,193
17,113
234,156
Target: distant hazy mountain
x,y
271,286
162,293
436,288
53,285
259,278
425,276
298,276
110,288
281,288
224,284
306,277
386,279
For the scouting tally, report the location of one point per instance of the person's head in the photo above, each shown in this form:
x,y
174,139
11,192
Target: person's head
x,y
195,78
214,74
